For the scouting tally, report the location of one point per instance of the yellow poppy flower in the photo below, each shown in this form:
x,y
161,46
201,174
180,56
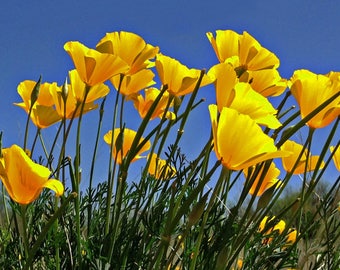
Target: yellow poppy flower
x,y
160,169
255,57
252,63
336,157
291,237
248,101
241,97
132,84
225,45
23,179
43,113
252,55
68,110
267,82
239,264
78,88
75,96
131,48
270,179
238,141
311,90
180,79
289,162
143,105
279,227
225,79
128,137
94,67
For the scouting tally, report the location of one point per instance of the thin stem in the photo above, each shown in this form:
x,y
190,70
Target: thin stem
x,y
24,230
304,184
101,112
112,168
43,144
77,177
35,141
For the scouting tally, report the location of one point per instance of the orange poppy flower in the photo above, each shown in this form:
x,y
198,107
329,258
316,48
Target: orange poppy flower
x,y
238,141
270,179
94,67
180,79
143,104
75,95
24,179
252,63
311,90
160,169
336,157
43,113
131,84
128,137
289,161
131,48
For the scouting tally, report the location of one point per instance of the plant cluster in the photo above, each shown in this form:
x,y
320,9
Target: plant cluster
x,y
179,213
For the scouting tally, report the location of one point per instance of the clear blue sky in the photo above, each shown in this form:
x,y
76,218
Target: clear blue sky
x,y
303,34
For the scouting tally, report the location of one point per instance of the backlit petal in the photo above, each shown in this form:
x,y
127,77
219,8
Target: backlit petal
x,y
289,161
225,80
270,179
336,157
239,141
94,67
180,79
131,48
23,178
310,91
226,43
128,137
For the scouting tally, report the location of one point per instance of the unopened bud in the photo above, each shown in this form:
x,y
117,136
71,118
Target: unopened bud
x,y
35,91
64,91
197,211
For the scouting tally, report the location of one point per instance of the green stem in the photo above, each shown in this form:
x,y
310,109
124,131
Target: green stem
x,y
303,197
5,204
34,141
89,215
77,177
112,168
24,230
282,103
43,145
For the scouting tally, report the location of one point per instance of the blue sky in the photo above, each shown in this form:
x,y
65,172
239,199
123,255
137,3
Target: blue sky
x,y
303,34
